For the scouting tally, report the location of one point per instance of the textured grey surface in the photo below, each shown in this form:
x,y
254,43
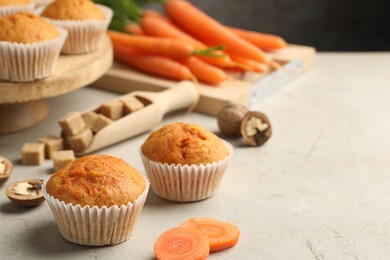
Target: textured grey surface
x,y
319,189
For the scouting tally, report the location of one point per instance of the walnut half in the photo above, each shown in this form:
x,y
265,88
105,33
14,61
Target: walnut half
x,y
256,128
5,169
26,193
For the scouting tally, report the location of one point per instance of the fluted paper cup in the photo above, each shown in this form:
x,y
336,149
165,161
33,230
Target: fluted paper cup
x,y
94,226
41,3
13,9
85,35
21,62
185,183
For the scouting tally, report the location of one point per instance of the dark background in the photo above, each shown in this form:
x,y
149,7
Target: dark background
x,y
328,25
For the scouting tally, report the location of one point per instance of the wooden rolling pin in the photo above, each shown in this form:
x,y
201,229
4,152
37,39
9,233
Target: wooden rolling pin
x,y
181,96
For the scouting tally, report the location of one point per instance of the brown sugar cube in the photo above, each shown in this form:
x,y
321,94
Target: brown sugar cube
x,y
112,109
100,122
33,153
131,104
60,158
52,143
96,121
72,123
81,141
65,140
89,117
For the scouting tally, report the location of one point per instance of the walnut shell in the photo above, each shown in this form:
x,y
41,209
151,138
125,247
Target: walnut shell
x,y
25,200
229,119
260,127
8,169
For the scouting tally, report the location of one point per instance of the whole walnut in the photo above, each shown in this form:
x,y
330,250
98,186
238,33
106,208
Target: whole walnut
x,y
230,118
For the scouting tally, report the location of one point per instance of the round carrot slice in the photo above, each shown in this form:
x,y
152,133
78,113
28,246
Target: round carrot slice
x,y
182,243
221,234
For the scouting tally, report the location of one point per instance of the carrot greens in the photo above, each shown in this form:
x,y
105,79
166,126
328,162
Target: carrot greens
x,y
124,11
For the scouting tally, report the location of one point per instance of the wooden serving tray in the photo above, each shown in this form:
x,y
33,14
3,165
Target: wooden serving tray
x,y
237,88
22,104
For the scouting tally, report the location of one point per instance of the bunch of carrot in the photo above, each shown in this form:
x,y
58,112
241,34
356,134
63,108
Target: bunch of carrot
x,y
195,238
177,47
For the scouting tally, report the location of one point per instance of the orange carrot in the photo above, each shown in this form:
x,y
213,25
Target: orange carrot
x,y
134,29
251,65
210,31
221,235
157,65
181,243
263,41
154,25
158,46
204,72
151,12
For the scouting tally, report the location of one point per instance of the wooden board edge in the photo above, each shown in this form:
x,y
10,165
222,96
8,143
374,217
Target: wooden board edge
x,y
121,79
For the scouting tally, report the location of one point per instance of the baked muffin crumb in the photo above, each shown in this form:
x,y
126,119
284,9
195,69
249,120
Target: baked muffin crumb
x,y
14,2
182,143
25,28
73,10
96,180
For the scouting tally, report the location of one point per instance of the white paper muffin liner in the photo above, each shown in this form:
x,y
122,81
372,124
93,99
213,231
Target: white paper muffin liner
x,y
94,226
21,62
13,9
185,183
40,3
84,36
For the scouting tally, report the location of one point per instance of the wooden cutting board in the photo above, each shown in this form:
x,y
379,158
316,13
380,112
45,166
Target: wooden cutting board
x,y
236,88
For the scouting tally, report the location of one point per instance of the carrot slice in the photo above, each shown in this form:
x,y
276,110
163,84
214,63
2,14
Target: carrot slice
x,y
221,235
262,40
181,243
209,31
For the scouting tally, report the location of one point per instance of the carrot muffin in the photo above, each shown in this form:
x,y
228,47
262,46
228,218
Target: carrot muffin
x,y
73,10
181,143
34,28
102,194
8,7
41,3
85,21
31,45
185,162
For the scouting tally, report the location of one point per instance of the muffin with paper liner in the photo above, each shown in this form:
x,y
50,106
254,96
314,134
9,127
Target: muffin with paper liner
x,y
29,47
85,21
96,200
41,3
185,162
8,7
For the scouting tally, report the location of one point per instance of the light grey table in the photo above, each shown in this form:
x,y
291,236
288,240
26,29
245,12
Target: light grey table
x,y
319,189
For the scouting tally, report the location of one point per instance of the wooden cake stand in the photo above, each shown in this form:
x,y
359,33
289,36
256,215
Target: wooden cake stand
x,y
22,104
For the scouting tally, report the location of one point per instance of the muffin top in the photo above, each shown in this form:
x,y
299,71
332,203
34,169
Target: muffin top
x,y
26,27
182,143
14,2
73,10
96,180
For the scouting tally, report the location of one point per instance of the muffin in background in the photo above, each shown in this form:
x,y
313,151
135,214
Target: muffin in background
x,y
85,21
31,45
8,7
41,3
185,162
101,196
